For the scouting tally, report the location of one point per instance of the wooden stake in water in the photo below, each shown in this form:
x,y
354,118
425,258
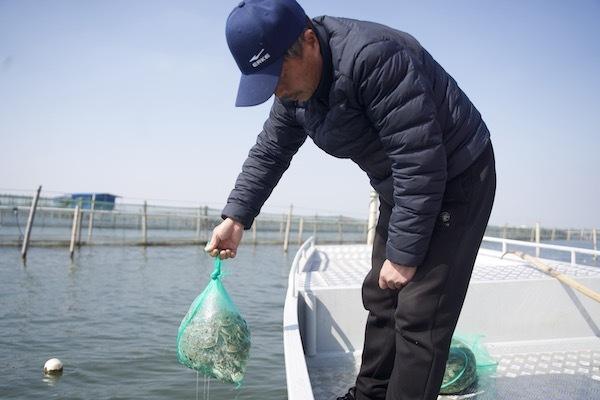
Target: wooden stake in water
x,y
79,224
537,239
91,220
30,223
198,222
74,230
286,239
300,228
145,223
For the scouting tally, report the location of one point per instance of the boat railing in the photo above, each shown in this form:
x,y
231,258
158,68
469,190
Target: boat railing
x,y
301,254
298,380
538,246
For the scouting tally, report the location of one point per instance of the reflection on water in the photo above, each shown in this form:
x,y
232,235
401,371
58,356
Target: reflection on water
x,y
51,379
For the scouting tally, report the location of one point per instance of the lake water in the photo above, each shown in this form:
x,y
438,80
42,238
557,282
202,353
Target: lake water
x,y
112,314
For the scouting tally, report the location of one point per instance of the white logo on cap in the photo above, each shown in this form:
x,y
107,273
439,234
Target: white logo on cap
x,y
257,59
256,56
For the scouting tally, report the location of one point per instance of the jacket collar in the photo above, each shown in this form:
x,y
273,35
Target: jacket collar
x,y
322,92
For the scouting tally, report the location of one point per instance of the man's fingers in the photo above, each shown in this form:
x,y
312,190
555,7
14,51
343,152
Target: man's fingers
x,y
212,243
382,283
398,285
222,253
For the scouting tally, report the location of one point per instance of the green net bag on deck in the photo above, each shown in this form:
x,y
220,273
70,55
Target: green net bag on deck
x,y
467,361
213,338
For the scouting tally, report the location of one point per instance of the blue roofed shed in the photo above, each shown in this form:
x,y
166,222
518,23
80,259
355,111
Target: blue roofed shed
x,y
104,201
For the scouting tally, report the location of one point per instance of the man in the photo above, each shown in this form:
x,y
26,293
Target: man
x,y
370,93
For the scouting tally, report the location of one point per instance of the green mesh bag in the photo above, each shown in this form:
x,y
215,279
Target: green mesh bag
x,y
213,338
467,361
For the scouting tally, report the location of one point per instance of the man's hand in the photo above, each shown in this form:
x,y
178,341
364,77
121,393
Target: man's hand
x,y
394,276
225,239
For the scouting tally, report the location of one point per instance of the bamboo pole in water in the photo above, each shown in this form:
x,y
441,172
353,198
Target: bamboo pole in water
x,y
74,231
30,223
145,223
91,219
205,223
537,239
79,220
288,224
300,228
198,222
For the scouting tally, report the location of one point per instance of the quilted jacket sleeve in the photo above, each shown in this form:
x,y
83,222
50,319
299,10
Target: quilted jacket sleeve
x,y
267,160
398,99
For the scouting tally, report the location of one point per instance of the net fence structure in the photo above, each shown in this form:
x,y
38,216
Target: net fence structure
x,y
122,222
93,222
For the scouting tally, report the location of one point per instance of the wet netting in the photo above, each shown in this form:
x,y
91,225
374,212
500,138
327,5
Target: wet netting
x,y
213,338
468,361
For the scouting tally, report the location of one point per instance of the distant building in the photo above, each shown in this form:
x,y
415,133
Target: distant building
x,y
103,201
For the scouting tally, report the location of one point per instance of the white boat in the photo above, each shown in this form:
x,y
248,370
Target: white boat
x,y
544,335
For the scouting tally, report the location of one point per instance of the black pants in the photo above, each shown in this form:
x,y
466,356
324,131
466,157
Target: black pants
x,y
408,331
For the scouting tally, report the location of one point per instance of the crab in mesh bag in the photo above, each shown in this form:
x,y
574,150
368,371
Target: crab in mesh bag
x,y
468,361
213,338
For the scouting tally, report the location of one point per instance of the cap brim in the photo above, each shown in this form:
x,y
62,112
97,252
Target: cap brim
x,y
257,88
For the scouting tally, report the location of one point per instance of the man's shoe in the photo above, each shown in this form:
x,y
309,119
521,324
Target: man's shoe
x,y
350,395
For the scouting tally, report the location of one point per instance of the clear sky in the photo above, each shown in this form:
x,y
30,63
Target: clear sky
x,y
136,98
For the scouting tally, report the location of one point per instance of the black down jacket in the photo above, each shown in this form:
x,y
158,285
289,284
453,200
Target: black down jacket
x,y
385,103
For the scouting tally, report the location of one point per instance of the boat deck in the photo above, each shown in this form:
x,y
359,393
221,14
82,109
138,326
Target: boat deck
x,y
543,334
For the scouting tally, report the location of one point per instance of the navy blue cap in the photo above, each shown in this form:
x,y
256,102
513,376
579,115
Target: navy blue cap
x,y
259,32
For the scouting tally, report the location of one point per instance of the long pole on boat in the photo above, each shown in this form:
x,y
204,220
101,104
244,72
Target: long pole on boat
x,y
567,280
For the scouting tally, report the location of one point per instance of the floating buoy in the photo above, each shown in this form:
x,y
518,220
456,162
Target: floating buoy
x,y
53,366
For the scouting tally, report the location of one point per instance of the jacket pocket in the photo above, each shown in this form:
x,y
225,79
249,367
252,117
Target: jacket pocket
x,y
454,210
